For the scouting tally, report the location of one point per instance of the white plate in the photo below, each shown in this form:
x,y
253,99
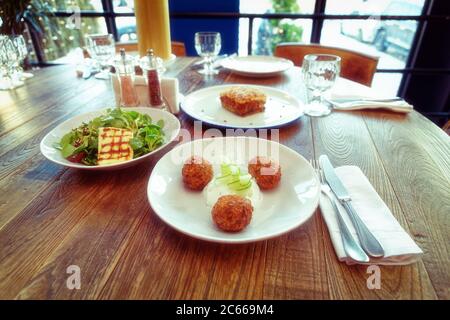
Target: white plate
x,y
204,104
257,66
288,206
171,130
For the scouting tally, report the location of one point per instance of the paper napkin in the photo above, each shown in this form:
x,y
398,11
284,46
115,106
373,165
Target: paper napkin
x,y
399,248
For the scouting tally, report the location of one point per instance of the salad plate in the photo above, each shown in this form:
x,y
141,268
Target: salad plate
x,y
51,146
280,210
257,66
281,108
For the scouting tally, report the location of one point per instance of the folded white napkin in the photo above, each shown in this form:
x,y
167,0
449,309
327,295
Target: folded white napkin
x,y
397,106
341,92
169,89
399,248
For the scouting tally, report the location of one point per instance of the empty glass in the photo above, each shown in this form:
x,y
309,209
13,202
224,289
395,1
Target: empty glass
x,y
22,50
102,48
320,72
208,46
9,62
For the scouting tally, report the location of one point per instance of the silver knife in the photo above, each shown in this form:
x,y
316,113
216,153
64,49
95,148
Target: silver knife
x,y
368,241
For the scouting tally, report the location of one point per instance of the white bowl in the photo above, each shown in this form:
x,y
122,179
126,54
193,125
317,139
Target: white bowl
x,y
283,209
171,130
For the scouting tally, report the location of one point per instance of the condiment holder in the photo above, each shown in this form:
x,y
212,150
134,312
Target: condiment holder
x,y
149,88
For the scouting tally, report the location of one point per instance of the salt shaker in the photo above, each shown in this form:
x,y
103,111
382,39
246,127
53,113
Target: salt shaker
x,y
124,66
151,65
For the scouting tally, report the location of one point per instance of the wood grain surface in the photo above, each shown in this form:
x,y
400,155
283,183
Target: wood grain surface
x,y
52,217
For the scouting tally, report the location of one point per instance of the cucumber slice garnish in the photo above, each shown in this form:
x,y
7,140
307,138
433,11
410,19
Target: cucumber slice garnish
x,y
245,187
234,183
235,180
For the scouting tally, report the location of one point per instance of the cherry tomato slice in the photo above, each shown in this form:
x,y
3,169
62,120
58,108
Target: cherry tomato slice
x,y
77,157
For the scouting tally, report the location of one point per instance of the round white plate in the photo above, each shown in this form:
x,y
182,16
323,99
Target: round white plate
x,y
204,104
171,130
283,209
257,66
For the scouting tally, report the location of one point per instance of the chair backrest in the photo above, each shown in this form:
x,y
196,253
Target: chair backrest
x,y
446,127
178,48
355,66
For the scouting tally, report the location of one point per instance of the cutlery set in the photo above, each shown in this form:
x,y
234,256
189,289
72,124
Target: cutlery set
x,y
334,190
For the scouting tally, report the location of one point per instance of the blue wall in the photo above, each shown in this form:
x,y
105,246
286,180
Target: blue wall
x,y
184,29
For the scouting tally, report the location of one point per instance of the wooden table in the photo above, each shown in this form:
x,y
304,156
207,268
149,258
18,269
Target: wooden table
x,y
52,217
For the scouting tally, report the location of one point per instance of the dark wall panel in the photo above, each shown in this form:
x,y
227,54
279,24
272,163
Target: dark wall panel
x,y
184,29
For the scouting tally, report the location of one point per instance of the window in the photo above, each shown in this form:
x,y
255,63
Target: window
x,y
390,40
61,43
386,28
90,5
126,26
266,33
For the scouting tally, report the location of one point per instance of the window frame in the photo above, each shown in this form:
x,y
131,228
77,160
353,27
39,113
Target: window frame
x,y
318,17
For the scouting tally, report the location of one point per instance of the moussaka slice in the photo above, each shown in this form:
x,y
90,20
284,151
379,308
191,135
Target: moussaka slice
x,y
114,145
243,100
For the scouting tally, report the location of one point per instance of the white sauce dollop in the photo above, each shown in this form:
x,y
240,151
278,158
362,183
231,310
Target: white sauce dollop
x,y
215,189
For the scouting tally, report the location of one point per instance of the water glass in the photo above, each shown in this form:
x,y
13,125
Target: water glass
x,y
320,72
22,50
208,45
102,48
9,62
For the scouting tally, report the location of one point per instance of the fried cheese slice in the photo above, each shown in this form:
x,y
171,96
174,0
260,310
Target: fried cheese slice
x,y
114,145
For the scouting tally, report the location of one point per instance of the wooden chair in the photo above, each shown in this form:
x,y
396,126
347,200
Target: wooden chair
x,y
446,127
355,66
178,48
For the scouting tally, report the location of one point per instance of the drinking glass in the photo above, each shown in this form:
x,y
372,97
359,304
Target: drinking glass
x,y
208,46
320,72
9,60
102,49
21,47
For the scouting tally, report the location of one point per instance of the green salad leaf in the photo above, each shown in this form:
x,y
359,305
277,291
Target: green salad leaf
x,y
81,143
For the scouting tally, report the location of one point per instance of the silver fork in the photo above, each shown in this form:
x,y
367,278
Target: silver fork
x,y
351,246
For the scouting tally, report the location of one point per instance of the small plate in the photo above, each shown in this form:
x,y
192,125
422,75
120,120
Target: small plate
x,y
171,130
257,66
204,104
283,209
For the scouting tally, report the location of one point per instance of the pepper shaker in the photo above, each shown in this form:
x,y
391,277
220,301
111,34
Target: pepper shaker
x,y
150,65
